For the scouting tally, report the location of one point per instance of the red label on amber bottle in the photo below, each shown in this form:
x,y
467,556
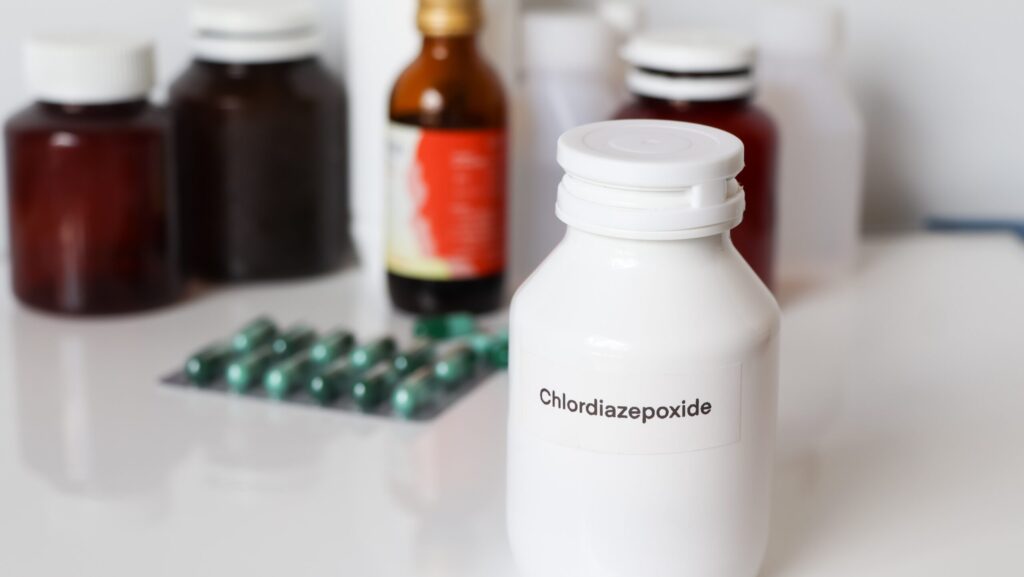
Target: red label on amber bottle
x,y
447,203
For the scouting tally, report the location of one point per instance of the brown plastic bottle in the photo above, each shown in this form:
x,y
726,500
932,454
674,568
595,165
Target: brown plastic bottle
x,y
707,78
447,170
261,141
92,220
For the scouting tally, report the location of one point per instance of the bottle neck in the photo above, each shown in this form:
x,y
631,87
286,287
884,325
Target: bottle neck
x,y
113,110
244,69
732,88
729,104
634,252
270,47
453,49
448,17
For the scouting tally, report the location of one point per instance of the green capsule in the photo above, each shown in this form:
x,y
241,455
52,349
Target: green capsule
x,y
287,376
295,339
480,343
207,365
447,326
414,392
375,385
365,356
249,370
332,345
419,354
254,335
330,384
497,354
455,366
490,347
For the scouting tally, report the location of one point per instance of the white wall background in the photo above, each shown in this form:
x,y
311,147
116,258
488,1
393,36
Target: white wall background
x,y
939,81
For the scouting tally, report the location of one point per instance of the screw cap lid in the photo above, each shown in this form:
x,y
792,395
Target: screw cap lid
x,y
650,178
89,69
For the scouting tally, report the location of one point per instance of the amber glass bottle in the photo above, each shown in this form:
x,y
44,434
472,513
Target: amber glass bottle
x,y
92,216
707,78
447,170
261,137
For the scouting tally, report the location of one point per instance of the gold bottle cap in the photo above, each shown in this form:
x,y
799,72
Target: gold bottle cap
x,y
449,17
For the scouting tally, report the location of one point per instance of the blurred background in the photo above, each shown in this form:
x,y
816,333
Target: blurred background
x,y
939,101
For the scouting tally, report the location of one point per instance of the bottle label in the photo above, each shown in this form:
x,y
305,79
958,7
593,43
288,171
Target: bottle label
x,y
447,203
612,411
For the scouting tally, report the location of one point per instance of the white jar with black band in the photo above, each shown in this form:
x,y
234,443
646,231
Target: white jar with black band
x,y
643,368
707,77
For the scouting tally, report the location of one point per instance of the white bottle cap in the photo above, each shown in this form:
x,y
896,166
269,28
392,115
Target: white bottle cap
x,y
85,69
654,179
690,65
254,31
567,41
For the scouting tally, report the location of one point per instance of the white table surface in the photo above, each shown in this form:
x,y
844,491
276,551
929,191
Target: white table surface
x,y
901,444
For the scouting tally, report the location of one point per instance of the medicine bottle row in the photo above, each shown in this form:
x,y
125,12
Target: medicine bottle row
x,y
115,202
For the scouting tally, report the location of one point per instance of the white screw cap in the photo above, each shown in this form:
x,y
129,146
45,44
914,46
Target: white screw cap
x,y
650,179
650,154
84,69
690,51
690,65
241,17
254,31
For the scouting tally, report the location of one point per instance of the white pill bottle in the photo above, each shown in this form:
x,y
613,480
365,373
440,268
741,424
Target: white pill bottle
x,y
644,367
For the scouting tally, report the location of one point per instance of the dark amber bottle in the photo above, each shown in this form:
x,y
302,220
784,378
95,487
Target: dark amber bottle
x,y
707,78
261,141
92,220
447,170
